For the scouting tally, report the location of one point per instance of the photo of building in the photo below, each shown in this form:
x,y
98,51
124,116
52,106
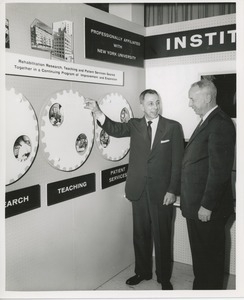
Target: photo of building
x,y
58,40
63,41
41,36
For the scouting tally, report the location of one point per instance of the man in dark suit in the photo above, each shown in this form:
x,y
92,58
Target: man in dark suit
x,y
206,190
153,181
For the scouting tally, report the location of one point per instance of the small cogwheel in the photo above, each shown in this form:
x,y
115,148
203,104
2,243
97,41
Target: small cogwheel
x,y
116,107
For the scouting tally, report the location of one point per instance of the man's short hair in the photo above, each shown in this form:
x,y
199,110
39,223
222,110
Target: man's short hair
x,y
145,92
208,84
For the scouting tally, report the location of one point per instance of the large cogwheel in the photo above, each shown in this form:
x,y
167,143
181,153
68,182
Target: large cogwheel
x,y
67,131
21,135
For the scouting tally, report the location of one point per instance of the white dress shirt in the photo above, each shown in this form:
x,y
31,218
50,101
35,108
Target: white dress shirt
x,y
208,113
154,126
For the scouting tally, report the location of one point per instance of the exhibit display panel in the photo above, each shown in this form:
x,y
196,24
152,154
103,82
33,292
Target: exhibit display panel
x,y
21,135
55,247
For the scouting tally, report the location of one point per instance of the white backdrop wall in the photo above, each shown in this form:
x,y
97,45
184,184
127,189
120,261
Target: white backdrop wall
x,y
173,83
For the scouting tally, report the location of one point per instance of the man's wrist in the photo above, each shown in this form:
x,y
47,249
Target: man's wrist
x,y
97,113
100,117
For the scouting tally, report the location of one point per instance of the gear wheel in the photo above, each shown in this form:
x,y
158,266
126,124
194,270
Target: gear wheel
x,y
22,135
67,131
116,107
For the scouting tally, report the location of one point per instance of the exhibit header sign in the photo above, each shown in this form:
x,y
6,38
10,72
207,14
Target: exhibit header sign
x,y
112,44
23,65
204,40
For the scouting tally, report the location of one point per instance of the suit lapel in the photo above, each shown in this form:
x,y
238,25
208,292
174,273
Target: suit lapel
x,y
204,124
159,132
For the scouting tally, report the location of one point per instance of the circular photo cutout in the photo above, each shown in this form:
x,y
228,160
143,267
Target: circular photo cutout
x,y
22,136
67,131
56,115
81,143
22,148
104,139
125,115
116,107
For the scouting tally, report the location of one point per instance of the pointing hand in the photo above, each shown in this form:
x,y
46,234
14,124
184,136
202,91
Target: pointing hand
x,y
93,106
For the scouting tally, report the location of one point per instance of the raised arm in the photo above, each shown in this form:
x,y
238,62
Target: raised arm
x,y
115,129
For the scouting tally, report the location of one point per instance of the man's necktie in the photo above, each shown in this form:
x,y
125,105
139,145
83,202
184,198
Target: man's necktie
x,y
149,131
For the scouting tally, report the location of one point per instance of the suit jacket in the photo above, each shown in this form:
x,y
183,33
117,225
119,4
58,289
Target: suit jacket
x,y
207,167
159,167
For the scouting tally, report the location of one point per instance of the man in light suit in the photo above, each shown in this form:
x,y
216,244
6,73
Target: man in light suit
x,y
206,190
153,181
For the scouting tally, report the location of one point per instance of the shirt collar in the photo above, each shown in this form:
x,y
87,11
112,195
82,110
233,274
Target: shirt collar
x,y
154,121
208,113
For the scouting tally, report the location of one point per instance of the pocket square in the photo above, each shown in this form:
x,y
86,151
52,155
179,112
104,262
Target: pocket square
x,y
164,141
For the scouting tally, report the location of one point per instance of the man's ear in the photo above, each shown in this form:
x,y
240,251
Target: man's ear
x,y
208,98
142,107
